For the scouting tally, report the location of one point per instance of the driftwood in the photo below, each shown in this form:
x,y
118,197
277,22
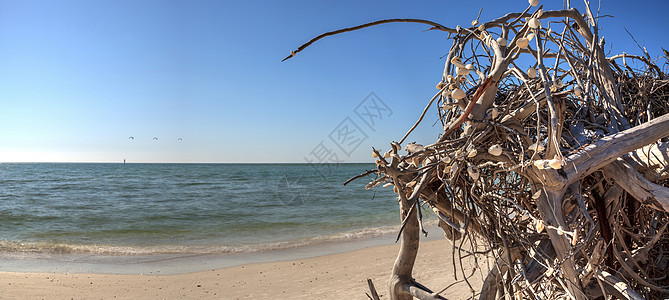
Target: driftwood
x,y
558,171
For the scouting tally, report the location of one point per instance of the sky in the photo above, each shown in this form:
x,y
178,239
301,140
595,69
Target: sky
x,y
79,78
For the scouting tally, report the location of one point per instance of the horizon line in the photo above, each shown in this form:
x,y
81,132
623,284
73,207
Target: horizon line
x,y
153,162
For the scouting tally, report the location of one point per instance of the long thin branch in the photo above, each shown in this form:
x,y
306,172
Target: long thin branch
x,y
421,117
436,26
360,176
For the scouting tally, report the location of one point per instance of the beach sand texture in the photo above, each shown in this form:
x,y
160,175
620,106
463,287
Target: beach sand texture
x,y
337,276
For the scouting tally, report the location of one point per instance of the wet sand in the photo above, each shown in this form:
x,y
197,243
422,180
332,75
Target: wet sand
x,y
336,276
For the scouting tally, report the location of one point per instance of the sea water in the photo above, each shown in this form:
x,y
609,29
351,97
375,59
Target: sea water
x,y
156,209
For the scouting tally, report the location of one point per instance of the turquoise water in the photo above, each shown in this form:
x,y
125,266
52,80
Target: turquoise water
x,y
117,209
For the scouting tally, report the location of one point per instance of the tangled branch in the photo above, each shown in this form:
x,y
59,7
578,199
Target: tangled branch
x,y
558,170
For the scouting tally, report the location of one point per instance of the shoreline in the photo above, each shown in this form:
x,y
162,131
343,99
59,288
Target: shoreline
x,y
174,264
340,275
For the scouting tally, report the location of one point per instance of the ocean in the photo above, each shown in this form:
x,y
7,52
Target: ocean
x,y
116,209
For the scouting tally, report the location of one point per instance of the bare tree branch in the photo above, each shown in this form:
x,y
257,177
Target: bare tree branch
x,y
435,26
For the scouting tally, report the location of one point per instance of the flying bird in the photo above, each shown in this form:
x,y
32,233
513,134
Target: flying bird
x,y
155,138
180,139
131,138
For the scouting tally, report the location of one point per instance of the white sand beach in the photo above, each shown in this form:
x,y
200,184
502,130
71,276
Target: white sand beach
x,y
336,276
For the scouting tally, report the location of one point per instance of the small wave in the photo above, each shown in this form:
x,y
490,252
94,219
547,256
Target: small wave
x,y
359,234
113,250
195,183
132,250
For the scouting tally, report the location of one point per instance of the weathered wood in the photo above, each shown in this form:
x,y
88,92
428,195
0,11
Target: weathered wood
x,y
372,290
620,288
493,282
524,160
609,148
406,257
652,161
550,207
403,266
401,278
653,195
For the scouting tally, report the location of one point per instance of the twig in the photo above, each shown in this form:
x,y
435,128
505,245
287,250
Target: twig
x,y
436,26
360,176
372,289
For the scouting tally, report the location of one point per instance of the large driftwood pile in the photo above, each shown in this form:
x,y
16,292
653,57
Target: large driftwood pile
x,y
556,169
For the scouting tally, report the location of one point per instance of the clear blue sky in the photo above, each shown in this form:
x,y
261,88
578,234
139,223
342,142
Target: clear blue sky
x,y
77,78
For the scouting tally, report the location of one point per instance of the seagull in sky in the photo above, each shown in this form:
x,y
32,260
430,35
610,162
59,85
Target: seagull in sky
x,y
180,139
131,138
155,138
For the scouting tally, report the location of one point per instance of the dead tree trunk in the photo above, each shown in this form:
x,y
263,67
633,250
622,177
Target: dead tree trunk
x,y
559,171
